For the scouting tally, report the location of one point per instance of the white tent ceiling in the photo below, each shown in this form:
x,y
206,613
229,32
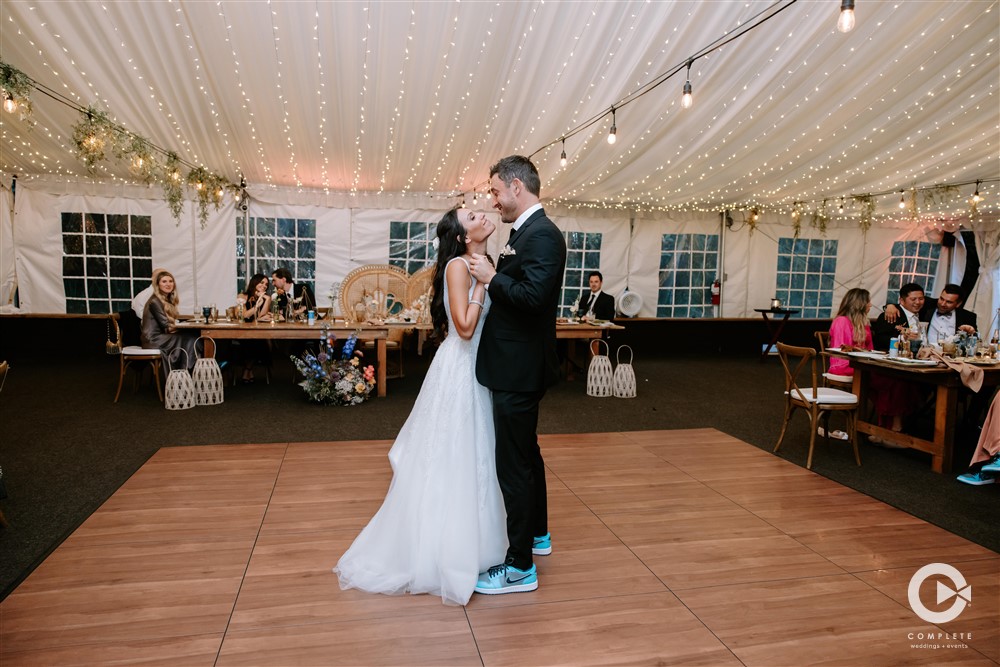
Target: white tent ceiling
x,y
420,97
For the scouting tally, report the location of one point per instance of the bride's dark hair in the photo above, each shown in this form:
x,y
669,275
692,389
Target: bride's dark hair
x,y
451,244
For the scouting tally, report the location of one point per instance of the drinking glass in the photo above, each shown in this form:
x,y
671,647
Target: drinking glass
x,y
207,312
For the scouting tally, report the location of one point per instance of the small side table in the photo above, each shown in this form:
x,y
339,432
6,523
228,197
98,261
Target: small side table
x,y
774,326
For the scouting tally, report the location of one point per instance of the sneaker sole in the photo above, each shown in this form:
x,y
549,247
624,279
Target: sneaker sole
x,y
984,483
520,588
541,551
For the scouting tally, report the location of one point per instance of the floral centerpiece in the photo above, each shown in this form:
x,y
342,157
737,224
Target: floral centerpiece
x,y
335,381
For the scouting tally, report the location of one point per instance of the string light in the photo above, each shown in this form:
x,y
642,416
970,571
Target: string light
x,y
686,99
562,158
611,135
846,21
975,195
841,209
902,204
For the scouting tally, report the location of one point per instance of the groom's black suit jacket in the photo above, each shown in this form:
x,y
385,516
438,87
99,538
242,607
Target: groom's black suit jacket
x,y
517,350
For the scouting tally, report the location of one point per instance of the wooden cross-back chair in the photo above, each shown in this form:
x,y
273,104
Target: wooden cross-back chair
x,y
132,352
829,379
816,400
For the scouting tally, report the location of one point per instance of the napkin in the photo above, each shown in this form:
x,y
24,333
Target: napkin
x,y
972,377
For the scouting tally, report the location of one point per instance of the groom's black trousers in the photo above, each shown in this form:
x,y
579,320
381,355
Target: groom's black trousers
x,y
520,471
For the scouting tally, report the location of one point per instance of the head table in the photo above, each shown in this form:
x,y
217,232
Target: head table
x,y
296,331
946,384
341,329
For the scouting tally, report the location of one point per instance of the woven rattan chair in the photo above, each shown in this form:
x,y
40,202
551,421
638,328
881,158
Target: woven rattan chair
x,y
133,353
421,282
372,293
817,401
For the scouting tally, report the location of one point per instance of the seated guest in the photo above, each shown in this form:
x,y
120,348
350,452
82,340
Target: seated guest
x,y
595,304
945,318
894,399
159,320
256,309
140,299
985,464
850,330
911,300
302,296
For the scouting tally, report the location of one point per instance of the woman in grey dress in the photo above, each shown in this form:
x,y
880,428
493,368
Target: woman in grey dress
x,y
159,321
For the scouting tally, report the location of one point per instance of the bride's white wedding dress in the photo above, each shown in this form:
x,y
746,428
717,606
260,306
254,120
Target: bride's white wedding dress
x,y
442,521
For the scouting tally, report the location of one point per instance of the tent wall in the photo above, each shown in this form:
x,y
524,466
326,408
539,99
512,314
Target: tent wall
x,y
204,260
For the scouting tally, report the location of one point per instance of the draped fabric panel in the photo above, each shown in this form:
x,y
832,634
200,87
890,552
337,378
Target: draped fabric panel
x,y
985,299
8,274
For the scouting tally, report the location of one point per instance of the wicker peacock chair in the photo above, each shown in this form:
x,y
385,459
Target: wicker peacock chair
x,y
374,292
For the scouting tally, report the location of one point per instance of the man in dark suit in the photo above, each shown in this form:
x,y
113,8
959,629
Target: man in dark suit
x,y
595,304
944,318
911,300
302,296
517,360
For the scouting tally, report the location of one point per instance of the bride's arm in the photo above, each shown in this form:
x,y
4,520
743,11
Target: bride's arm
x,y
464,313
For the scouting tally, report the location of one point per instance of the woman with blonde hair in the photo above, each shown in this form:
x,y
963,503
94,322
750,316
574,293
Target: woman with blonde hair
x,y
159,320
851,330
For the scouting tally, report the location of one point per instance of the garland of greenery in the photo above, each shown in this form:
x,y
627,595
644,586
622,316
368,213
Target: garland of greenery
x,y
17,86
867,203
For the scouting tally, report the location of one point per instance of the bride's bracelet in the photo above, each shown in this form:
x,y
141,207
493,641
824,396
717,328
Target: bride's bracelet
x,y
478,303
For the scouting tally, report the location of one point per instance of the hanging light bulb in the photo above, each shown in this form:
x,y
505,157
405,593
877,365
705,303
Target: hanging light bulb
x,y
137,162
846,21
795,211
562,158
9,103
611,135
841,209
975,195
686,99
902,204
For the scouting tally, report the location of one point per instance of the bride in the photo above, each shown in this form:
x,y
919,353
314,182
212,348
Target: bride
x,y
442,521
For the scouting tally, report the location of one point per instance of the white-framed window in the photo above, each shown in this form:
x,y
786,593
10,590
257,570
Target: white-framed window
x,y
583,255
912,262
266,244
805,275
410,245
107,259
689,264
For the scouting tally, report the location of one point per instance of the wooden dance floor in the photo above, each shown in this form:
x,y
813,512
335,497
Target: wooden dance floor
x,y
669,547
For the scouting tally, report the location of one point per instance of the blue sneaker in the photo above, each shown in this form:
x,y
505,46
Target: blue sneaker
x,y
501,579
977,478
993,465
542,546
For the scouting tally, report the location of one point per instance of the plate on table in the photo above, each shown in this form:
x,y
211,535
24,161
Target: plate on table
x,y
911,362
870,354
982,362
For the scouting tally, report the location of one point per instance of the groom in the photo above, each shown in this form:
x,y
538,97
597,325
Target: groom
x,y
517,360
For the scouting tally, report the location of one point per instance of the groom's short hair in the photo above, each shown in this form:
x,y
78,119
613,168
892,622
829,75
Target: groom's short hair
x,y
521,168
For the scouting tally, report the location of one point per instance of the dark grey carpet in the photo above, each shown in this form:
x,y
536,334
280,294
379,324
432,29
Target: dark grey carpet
x,y
66,447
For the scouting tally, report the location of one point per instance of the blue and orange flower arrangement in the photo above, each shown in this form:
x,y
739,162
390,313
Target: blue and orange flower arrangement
x,y
335,381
